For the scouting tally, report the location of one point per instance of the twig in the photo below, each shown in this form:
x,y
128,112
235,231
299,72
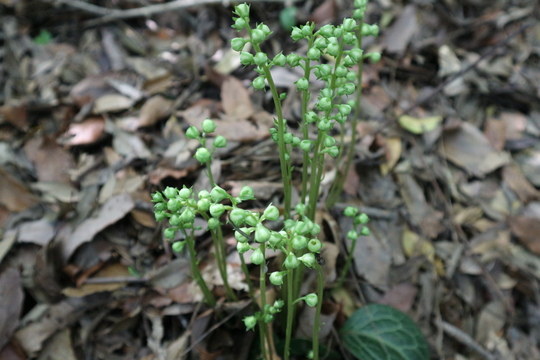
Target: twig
x,y
466,340
115,14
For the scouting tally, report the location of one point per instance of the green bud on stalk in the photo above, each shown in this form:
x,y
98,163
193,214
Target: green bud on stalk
x,y
208,126
311,299
257,257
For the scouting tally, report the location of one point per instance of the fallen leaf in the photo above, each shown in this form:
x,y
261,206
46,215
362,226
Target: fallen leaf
x,y
112,271
236,100
414,245
87,132
39,232
51,161
392,151
400,297
468,148
419,125
515,179
14,194
11,305
324,13
59,346
399,34
112,103
112,211
15,115
154,109
527,230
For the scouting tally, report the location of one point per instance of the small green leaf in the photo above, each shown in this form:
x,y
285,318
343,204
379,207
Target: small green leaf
x,y
380,332
287,17
43,38
419,125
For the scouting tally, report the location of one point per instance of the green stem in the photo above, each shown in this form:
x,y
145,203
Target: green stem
x,y
337,186
317,320
246,274
347,266
290,313
209,297
305,133
266,341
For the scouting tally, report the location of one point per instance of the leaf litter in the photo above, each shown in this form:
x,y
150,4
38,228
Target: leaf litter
x,y
447,166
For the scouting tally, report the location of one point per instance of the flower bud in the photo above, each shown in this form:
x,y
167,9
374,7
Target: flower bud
x,y
262,234
350,39
246,58
271,213
326,31
174,205
239,23
362,219
257,257
374,57
184,193
311,117
218,194
374,30
324,104
358,14
252,219
241,238
350,211
170,192
299,242
341,71
296,34
178,246
157,197
192,132
187,216
213,224
276,240
242,247
237,44
250,322
260,58
346,89
237,216
293,60
365,231
352,235
300,208
162,206
333,151
329,141
257,36
246,193
202,155
265,29
302,84
332,49
314,54
349,24
325,125
203,205
291,262
208,126
259,83
308,259
323,71
160,215
320,43
351,76
220,141
305,145
314,245
169,233
356,54
311,299
316,229
216,210
338,31
280,59
276,278
366,30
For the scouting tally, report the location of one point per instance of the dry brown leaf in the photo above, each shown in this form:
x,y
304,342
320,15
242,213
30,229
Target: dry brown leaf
x,y
400,296
236,100
15,115
51,161
515,124
527,230
495,132
111,103
12,351
154,109
112,211
12,300
38,232
392,151
468,148
87,132
399,34
324,13
111,271
59,346
14,194
515,179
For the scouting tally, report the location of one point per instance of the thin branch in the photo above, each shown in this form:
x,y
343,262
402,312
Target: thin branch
x,y
466,340
109,15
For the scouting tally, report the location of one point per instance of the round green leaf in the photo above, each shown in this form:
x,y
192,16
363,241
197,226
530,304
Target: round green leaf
x,y
380,332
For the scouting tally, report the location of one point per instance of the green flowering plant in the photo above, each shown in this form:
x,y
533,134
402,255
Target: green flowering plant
x,y
297,240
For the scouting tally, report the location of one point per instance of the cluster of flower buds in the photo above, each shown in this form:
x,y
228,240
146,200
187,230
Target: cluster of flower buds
x,y
203,154
359,220
266,315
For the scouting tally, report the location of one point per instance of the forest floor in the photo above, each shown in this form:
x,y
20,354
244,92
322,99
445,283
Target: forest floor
x,y
94,106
